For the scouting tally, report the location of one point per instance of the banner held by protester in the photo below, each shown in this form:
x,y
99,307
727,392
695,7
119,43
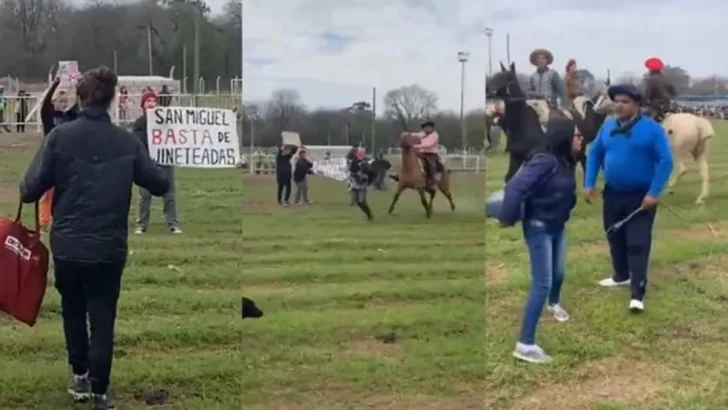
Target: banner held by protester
x,y
194,137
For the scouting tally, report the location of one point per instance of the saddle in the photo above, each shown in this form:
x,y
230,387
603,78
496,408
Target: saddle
x,y
546,112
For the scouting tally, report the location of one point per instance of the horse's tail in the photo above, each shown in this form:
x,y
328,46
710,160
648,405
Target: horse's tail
x,y
394,177
706,129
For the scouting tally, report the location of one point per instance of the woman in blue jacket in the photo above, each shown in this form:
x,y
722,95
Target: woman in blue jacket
x,y
544,191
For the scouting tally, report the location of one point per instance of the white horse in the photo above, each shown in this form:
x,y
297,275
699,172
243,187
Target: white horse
x,y
689,137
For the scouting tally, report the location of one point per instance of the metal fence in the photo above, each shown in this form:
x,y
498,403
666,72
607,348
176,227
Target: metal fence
x,y
264,162
14,109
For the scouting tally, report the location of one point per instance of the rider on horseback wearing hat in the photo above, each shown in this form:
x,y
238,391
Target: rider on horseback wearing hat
x,y
659,91
545,82
428,149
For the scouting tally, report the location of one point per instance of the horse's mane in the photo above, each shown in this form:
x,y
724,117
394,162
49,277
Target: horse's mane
x,y
580,103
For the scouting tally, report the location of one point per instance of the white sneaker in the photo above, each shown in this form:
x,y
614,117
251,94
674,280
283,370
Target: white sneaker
x,y
175,230
610,283
636,306
531,354
559,313
139,231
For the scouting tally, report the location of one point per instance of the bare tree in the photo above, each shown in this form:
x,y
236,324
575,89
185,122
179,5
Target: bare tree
x,y
408,104
284,110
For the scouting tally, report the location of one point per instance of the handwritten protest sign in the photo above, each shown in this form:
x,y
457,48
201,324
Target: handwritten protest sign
x,y
291,138
69,73
193,137
335,169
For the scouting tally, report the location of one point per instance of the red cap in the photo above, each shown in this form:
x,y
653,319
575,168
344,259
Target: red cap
x,y
654,64
148,95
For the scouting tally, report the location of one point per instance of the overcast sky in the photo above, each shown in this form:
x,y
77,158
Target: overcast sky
x,y
617,35
335,51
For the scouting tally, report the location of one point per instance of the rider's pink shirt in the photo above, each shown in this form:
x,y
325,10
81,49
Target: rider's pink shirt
x,y
428,142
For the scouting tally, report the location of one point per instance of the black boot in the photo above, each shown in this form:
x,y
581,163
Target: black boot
x,y
250,310
367,211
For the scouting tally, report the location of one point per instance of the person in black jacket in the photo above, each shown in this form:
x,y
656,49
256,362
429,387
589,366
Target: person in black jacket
x,y
54,108
284,173
361,176
91,164
301,171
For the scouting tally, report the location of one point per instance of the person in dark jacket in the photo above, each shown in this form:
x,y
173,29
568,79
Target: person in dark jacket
x,y
634,153
284,173
301,171
91,164
54,108
659,91
53,111
380,165
543,192
149,102
165,98
22,111
360,174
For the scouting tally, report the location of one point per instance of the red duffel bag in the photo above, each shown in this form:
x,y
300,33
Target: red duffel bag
x,y
23,268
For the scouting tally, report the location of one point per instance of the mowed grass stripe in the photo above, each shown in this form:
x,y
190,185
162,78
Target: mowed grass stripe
x,y
335,285
210,380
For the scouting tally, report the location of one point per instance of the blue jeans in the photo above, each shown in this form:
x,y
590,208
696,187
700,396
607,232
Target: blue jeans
x,y
547,253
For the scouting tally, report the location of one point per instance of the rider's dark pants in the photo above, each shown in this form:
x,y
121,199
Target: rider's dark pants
x,y
430,165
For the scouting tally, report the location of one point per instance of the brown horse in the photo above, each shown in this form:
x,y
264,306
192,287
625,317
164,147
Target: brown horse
x,y
412,175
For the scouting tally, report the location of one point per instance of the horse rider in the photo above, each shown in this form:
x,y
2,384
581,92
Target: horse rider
x,y
428,150
572,83
659,91
545,82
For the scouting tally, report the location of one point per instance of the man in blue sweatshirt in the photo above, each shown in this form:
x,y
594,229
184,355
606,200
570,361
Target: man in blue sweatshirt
x,y
634,152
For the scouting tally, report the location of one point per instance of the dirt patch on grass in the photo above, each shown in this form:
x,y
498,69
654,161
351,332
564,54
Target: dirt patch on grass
x,y
338,400
495,273
616,381
589,248
9,195
256,206
14,140
460,402
372,348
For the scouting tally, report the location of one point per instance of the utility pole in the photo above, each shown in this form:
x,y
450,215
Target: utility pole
x,y
149,48
463,58
374,119
489,34
196,63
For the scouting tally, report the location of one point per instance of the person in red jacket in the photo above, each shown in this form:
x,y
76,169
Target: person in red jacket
x,y
659,91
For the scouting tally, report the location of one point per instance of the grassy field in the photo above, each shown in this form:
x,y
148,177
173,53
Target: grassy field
x,y
674,356
178,328
382,315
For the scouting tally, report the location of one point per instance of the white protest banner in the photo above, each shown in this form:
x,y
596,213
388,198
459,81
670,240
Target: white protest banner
x,y
69,73
291,138
193,137
335,169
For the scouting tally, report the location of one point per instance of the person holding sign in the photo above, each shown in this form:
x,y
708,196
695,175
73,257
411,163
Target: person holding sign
x,y
92,165
149,102
53,111
284,173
